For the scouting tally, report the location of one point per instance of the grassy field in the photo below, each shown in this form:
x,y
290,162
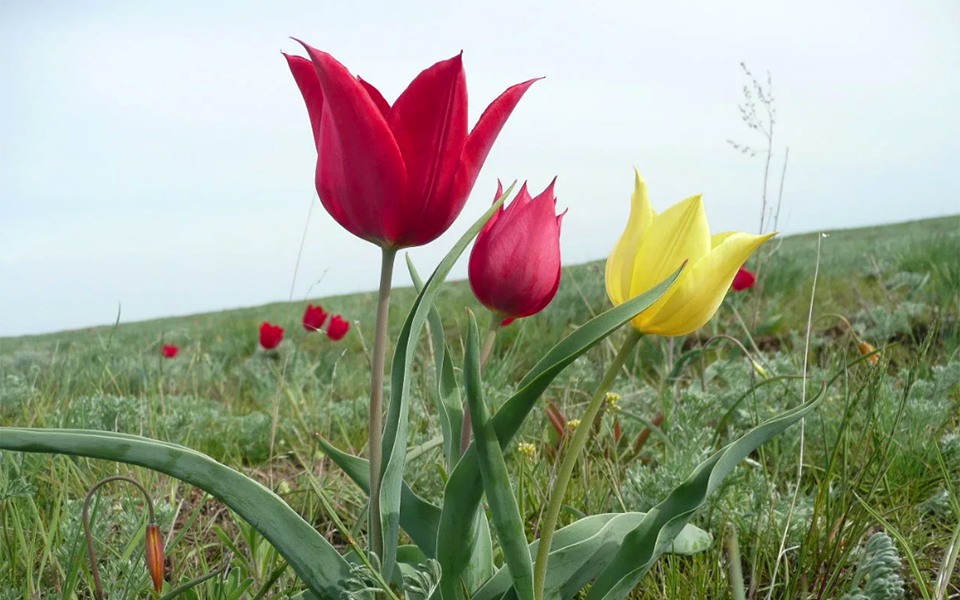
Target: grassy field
x,y
881,454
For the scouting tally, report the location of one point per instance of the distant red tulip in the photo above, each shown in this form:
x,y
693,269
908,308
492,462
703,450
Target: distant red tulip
x,y
169,351
313,318
515,263
337,328
743,280
396,176
270,336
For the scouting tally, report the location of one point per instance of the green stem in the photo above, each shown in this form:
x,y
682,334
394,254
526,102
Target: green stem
x,y
570,460
734,568
491,337
376,399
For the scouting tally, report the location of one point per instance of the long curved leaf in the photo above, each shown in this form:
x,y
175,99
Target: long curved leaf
x,y
464,489
643,546
448,392
581,550
317,562
418,517
507,522
395,431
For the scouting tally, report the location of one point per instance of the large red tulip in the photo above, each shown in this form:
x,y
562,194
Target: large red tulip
x,y
515,263
313,318
743,280
396,175
270,336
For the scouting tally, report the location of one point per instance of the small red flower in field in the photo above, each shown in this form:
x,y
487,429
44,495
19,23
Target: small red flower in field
x,y
396,175
743,280
270,336
515,264
337,328
170,351
313,318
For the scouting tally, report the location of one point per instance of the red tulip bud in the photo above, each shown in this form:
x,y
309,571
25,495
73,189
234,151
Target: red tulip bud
x,y
270,336
313,318
743,280
337,328
515,263
154,553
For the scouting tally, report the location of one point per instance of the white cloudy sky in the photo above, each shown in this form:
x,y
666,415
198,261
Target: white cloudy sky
x,y
159,155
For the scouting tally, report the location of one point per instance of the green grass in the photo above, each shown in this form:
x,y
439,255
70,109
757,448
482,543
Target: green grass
x,y
873,450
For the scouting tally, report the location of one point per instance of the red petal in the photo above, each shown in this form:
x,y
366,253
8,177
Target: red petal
x,y
429,122
478,144
360,173
376,96
493,219
306,78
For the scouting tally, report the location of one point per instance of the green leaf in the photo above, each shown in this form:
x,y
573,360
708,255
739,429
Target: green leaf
x,y
507,522
419,518
448,392
395,430
317,563
653,536
464,488
580,551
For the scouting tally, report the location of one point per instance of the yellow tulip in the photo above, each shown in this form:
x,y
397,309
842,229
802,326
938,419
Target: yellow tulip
x,y
654,246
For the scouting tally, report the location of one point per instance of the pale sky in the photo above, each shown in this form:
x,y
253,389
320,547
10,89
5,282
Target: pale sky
x,y
158,154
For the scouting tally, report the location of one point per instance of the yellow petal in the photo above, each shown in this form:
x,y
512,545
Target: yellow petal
x,y
720,237
680,233
619,268
697,296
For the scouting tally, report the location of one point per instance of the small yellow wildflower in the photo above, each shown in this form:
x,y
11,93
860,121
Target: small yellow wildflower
x,y
527,449
867,348
613,400
572,424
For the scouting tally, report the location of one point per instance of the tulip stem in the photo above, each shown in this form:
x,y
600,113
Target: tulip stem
x,y
376,399
570,460
495,322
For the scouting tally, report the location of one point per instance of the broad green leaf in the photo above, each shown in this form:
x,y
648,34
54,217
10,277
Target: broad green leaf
x,y
317,563
580,551
448,392
464,489
507,522
653,536
480,566
395,430
418,517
